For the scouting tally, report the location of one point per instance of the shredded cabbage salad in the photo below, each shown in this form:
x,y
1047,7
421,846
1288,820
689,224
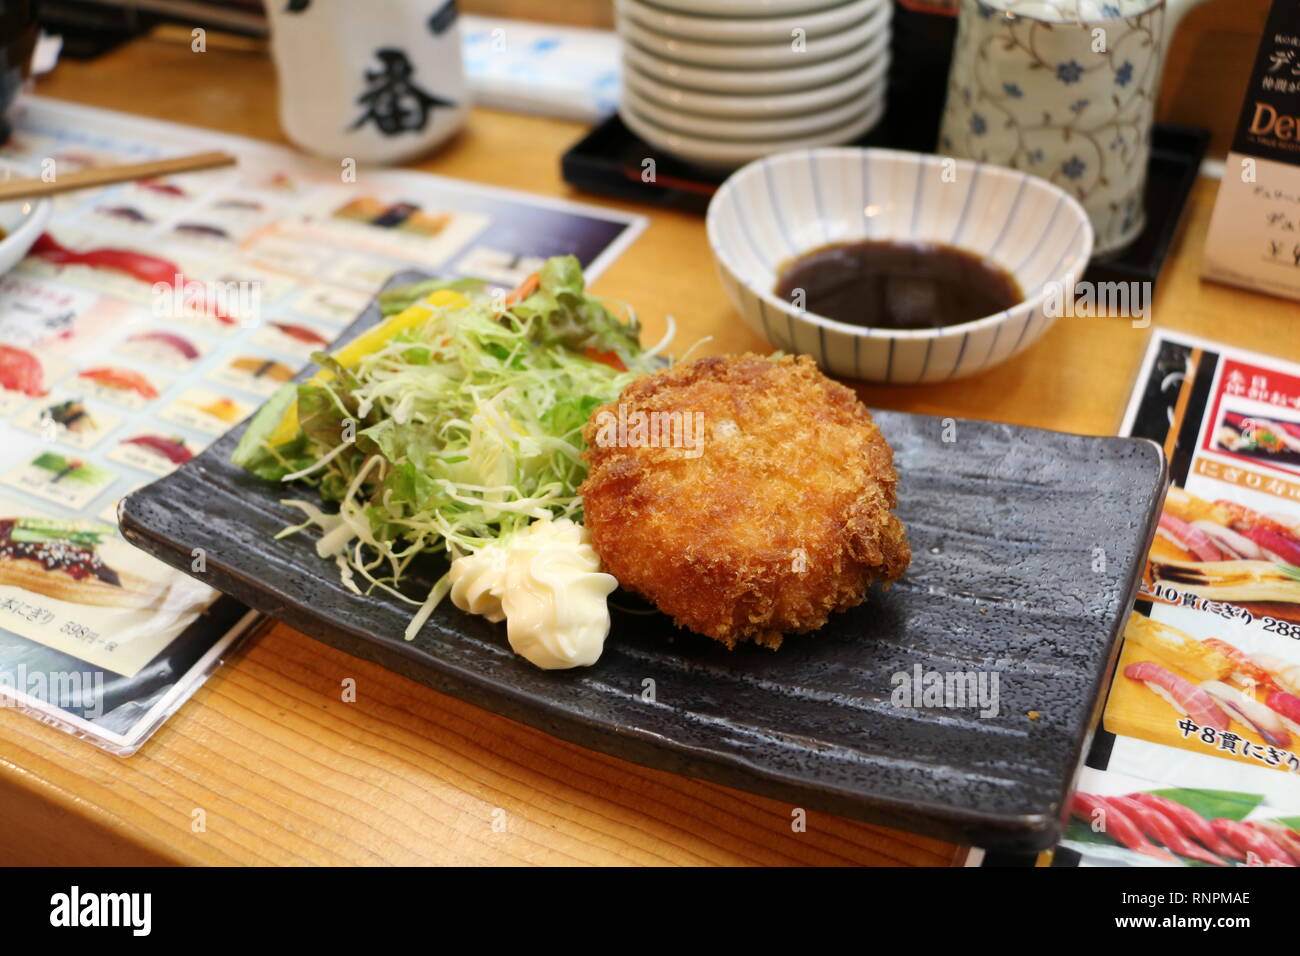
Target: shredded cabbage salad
x,y
456,422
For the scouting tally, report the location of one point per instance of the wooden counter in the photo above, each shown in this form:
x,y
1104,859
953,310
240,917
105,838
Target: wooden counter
x,y
285,772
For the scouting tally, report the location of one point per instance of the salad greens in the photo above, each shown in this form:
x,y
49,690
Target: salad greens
x,y
455,423
567,315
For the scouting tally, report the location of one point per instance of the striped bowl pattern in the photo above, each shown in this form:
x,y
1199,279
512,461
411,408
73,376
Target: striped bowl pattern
x,y
779,207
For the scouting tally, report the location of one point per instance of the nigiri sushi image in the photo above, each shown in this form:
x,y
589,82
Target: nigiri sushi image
x,y
1283,836
243,205
1225,551
1259,671
1157,826
137,265
197,300
72,470
1246,673
201,229
1262,436
1283,673
281,182
20,371
123,379
161,186
1178,648
169,340
1247,711
1117,824
127,213
1191,823
223,408
1144,822
1252,842
71,159
301,333
362,209
262,368
71,415
1183,696
1286,706
425,224
173,449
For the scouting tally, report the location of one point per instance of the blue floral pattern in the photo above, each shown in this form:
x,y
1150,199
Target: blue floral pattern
x,y
1069,73
1030,89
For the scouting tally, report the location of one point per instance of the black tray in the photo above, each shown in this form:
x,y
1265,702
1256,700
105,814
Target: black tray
x,y
608,160
1006,525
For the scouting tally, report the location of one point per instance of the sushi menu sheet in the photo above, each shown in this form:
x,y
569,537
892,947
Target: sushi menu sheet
x,y
1197,761
150,318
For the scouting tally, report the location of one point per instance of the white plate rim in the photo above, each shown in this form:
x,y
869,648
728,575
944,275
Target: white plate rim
x,y
714,80
696,102
745,8
727,129
734,29
736,56
742,153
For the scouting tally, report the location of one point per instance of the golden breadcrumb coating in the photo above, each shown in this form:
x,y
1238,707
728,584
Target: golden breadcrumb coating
x,y
781,519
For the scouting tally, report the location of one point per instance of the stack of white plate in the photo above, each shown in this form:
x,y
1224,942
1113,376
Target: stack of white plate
x,y
722,82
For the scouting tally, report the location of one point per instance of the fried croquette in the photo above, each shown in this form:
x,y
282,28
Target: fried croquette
x,y
776,518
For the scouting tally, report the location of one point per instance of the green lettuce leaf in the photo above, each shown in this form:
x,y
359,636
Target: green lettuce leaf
x,y
254,455
566,315
402,297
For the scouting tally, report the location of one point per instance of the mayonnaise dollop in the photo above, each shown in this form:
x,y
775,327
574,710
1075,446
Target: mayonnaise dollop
x,y
546,584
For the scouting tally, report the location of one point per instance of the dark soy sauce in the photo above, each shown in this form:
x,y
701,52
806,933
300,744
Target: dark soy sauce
x,y
885,284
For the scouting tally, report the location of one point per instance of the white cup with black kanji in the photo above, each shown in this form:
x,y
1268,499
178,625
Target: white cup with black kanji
x,y
378,82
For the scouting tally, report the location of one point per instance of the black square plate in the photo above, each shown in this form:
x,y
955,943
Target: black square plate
x,y
1028,549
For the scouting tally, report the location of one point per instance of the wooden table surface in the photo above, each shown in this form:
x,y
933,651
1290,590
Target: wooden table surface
x,y
285,772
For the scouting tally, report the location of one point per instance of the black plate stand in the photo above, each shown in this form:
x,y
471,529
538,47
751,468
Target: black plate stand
x,y
610,159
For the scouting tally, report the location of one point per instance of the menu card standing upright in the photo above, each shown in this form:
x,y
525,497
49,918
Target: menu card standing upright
x,y
1254,238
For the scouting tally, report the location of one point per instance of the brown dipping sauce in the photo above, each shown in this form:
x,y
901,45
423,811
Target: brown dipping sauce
x,y
885,284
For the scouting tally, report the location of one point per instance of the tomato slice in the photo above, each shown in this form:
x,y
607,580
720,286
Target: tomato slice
x,y
606,358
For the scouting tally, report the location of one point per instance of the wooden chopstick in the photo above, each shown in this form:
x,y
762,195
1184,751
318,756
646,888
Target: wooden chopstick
x,y
104,175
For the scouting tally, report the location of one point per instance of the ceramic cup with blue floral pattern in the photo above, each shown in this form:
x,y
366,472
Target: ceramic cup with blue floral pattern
x,y
1063,89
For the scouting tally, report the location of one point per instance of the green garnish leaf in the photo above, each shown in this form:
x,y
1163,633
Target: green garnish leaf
x,y
566,315
402,297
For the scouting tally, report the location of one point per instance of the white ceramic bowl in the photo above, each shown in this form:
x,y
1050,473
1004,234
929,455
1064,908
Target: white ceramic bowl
x,y
808,123
760,106
22,220
745,8
734,29
728,154
756,82
760,56
780,207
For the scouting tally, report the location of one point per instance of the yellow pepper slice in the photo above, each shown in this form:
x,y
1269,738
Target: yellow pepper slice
x,y
367,342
